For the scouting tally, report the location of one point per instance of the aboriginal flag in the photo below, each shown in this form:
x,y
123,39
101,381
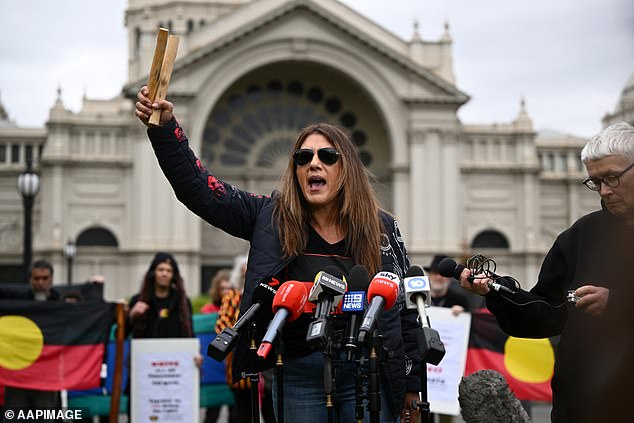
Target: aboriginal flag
x,y
527,364
52,346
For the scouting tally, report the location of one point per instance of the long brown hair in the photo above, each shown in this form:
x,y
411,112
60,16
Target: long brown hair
x,y
357,203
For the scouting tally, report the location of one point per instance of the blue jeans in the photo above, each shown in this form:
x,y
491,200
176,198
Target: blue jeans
x,y
304,397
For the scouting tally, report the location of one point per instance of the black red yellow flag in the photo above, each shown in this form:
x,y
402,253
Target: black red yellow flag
x,y
53,345
527,364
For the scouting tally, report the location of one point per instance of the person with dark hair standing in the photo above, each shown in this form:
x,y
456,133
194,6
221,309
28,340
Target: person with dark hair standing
x,y
161,309
325,214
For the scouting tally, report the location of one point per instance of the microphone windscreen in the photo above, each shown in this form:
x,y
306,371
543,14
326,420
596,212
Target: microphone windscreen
x,y
484,396
359,278
414,271
384,285
447,268
292,296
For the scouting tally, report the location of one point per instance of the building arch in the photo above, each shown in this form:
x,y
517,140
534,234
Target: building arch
x,y
490,239
368,80
96,236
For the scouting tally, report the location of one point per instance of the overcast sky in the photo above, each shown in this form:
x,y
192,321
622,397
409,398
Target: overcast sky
x,y
569,58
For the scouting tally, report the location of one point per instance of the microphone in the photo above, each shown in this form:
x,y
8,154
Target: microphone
x,y
226,340
418,296
354,304
450,269
288,304
484,394
327,291
417,289
382,294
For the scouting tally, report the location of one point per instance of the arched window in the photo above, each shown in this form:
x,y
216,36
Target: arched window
x,y
97,236
490,239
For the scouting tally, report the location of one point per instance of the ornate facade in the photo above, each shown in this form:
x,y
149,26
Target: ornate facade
x,y
248,76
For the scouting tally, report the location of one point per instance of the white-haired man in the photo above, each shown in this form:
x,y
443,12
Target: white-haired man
x,y
588,263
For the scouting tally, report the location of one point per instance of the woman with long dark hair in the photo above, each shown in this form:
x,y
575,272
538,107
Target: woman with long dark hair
x,y
161,309
325,214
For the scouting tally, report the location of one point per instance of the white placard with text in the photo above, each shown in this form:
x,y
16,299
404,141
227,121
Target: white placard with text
x,y
165,381
443,380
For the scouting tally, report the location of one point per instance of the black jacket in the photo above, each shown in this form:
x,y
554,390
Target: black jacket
x,y
590,252
250,217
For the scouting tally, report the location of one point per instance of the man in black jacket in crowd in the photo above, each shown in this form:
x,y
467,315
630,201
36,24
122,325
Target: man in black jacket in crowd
x,y
583,291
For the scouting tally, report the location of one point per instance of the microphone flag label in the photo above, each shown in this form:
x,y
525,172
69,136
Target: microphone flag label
x,y
418,283
353,301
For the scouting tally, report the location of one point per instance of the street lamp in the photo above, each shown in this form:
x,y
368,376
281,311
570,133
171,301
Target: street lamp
x,y
28,186
70,250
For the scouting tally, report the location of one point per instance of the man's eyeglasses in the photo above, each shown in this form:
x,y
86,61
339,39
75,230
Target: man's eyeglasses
x,y
303,156
611,181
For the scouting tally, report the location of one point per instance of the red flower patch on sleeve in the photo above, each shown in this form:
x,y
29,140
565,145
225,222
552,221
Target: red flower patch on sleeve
x,y
217,186
180,134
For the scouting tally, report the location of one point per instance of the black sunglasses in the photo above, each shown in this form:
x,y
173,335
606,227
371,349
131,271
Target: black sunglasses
x,y
328,156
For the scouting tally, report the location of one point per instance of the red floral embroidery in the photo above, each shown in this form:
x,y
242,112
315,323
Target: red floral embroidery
x,y
217,186
180,134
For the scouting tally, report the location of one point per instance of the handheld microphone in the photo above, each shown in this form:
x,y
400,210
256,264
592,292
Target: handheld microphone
x,y
382,294
288,304
327,291
226,340
354,304
450,269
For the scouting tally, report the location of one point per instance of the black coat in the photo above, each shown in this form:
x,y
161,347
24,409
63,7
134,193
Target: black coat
x,y
591,252
250,217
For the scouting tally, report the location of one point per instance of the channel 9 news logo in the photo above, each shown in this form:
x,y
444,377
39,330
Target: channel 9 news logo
x,y
353,301
419,283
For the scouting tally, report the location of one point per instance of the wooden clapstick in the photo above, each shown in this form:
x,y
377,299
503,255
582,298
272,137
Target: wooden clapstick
x,y
157,61
164,77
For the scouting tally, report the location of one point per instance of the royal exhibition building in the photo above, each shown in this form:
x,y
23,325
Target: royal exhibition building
x,y
248,76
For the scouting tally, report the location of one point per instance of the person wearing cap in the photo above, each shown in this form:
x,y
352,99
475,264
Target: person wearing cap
x,y
442,292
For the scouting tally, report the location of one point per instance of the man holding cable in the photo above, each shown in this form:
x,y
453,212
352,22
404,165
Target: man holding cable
x,y
582,291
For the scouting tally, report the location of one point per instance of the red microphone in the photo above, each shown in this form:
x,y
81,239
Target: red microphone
x,y
288,305
382,294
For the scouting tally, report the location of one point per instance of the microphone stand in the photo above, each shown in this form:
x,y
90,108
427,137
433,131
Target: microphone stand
x,y
328,379
423,404
253,375
358,386
433,351
279,373
374,377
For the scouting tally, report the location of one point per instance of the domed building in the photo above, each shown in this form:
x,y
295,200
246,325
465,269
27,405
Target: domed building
x,y
624,109
248,76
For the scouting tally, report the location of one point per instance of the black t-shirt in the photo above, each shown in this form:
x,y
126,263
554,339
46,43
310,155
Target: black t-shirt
x,y
162,319
317,255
